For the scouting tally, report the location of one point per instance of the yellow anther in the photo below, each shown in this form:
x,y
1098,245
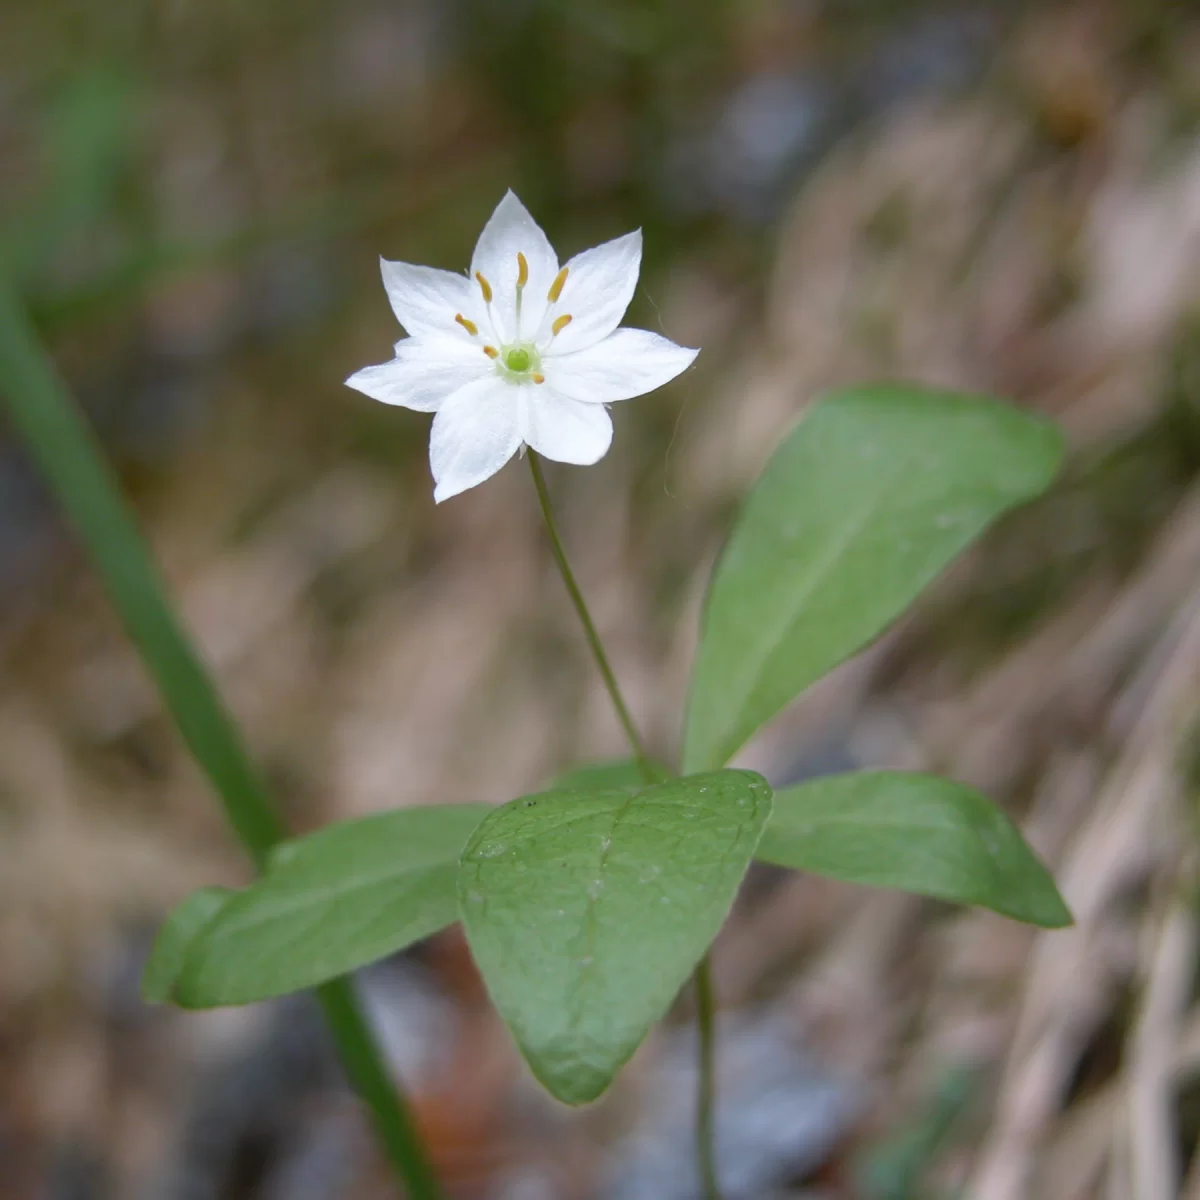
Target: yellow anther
x,y
538,378
491,351
560,323
468,325
484,287
557,286
522,270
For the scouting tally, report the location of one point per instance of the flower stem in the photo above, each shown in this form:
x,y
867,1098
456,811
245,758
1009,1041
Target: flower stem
x,y
705,1012
649,771
65,449
706,1081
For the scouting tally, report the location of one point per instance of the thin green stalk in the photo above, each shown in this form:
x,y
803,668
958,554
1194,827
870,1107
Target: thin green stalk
x,y
65,449
382,1095
706,1085
649,771
705,1010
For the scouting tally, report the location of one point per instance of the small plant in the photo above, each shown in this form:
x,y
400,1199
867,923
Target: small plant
x,y
588,905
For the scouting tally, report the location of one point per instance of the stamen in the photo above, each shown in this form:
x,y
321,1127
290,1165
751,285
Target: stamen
x,y
522,270
538,378
484,287
560,323
557,286
468,325
491,351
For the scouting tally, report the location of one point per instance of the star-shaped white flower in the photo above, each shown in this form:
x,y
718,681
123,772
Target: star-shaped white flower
x,y
520,352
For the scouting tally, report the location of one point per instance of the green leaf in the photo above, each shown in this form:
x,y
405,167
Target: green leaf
x,y
178,931
597,777
334,901
865,502
587,911
917,833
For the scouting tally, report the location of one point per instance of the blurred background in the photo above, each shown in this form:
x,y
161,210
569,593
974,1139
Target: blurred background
x,y
995,196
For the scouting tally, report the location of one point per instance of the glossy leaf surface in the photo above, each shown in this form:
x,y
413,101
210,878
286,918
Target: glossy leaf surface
x,y
587,911
917,833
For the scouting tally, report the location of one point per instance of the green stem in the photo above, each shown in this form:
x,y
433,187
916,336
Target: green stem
x,y
67,452
706,1084
705,1010
649,771
360,1057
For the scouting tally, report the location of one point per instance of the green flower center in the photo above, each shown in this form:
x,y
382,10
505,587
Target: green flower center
x,y
518,359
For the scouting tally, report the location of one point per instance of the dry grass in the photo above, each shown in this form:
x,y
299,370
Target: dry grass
x,y
379,655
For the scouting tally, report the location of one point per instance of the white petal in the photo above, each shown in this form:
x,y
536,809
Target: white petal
x,y
424,372
426,300
510,230
563,429
475,432
600,283
627,363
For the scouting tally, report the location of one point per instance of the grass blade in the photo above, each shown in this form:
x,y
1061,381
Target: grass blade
x,y
48,420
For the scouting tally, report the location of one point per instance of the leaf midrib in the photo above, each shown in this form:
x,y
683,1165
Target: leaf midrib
x,y
819,573
864,819
288,907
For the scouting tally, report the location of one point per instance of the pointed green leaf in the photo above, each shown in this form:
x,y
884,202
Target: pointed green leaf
x,y
587,911
178,931
336,900
866,501
916,833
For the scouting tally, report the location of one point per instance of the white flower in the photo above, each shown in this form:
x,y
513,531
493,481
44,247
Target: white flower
x,y
520,352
